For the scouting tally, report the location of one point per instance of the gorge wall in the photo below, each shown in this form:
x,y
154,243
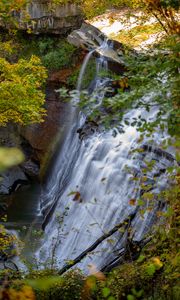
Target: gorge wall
x,y
38,140
46,18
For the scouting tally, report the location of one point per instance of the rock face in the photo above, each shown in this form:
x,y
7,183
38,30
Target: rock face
x,y
43,137
37,141
20,175
11,179
91,38
46,18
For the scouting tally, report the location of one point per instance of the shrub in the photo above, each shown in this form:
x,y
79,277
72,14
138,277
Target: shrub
x,y
58,56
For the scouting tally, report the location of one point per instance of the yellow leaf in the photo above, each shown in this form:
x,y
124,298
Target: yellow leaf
x,y
157,262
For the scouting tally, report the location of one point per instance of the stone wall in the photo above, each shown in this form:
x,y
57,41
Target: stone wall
x,y
45,18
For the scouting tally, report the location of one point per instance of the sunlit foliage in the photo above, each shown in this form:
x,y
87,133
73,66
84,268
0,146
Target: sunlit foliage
x,y
21,98
8,8
24,293
165,11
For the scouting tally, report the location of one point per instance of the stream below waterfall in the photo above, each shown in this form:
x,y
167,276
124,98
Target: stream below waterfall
x,y
91,186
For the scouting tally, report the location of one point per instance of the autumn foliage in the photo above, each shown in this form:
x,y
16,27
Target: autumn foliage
x,y
21,97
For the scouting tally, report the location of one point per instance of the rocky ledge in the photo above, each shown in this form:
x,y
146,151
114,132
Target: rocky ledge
x,y
91,38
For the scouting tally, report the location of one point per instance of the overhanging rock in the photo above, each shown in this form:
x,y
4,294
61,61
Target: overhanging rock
x,y
91,38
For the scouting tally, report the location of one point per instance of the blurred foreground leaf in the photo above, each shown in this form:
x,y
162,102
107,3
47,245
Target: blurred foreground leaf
x,y
10,157
44,283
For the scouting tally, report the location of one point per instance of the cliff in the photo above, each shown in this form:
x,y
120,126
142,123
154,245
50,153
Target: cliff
x,y
44,17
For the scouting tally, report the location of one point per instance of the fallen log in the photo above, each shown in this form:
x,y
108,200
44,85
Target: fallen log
x,y
125,223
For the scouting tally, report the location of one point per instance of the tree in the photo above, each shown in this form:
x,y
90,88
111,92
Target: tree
x,y
21,82
7,8
165,11
21,98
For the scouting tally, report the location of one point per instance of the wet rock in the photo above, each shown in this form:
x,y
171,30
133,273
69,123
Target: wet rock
x,y
116,68
114,63
90,38
3,208
159,153
9,136
31,169
113,86
18,184
12,179
89,128
117,46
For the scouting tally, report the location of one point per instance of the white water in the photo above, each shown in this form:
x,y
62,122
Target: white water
x,y
96,168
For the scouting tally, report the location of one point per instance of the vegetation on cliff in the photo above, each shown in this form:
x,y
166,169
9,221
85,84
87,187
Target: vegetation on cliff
x,y
24,67
21,82
21,99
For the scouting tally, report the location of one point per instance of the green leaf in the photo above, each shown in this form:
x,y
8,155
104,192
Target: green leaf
x,y
110,241
131,297
106,292
72,193
148,196
136,293
141,258
140,202
44,283
151,269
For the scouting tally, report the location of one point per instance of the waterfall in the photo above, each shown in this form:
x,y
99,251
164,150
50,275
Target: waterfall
x,y
91,187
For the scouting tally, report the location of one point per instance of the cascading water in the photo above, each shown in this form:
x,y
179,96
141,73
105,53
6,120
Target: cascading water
x,y
91,186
